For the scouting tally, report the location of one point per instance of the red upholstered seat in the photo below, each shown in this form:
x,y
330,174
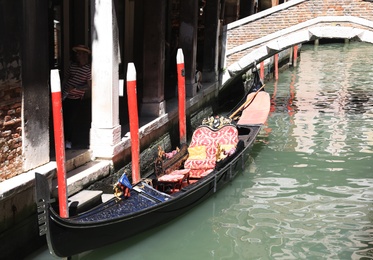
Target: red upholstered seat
x,y
171,178
196,174
204,146
174,179
180,172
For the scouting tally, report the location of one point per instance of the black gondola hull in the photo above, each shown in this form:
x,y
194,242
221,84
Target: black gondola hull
x,y
108,223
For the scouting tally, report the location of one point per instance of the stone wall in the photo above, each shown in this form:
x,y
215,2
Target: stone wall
x,y
10,92
269,21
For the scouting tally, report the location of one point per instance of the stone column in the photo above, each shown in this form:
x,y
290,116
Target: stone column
x,y
34,80
153,103
188,42
105,128
211,46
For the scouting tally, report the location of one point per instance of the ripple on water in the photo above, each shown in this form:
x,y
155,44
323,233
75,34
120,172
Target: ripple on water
x,y
311,196
326,223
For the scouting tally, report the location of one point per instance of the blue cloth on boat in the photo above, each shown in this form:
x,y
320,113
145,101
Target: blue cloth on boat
x,y
124,181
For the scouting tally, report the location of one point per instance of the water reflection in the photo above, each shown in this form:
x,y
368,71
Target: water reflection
x,y
311,196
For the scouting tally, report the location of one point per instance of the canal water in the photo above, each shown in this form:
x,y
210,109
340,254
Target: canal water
x,y
307,188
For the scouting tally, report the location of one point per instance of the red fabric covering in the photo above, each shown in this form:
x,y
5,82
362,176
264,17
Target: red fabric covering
x,y
196,174
175,179
201,164
257,111
205,136
171,178
180,172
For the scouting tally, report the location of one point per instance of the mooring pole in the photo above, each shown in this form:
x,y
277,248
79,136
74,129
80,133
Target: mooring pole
x,y
59,142
181,94
276,66
295,55
262,71
134,121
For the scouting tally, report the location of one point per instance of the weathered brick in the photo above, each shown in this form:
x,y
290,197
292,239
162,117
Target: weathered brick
x,y
10,131
11,112
6,133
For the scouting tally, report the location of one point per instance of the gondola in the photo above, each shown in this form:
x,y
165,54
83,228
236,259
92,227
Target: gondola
x,y
179,182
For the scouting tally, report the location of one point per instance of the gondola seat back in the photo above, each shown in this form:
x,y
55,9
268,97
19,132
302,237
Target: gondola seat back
x,y
206,146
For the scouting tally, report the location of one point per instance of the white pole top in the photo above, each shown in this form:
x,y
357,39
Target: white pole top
x,y
55,81
121,87
179,56
131,72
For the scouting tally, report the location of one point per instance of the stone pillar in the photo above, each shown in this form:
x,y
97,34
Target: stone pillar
x,y
211,46
105,128
188,42
35,78
153,103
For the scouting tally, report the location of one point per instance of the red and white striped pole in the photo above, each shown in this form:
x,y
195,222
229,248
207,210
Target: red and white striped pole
x,y
181,94
59,142
134,121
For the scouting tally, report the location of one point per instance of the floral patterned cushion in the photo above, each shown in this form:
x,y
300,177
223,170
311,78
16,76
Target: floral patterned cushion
x,y
206,136
171,178
199,173
180,172
211,139
200,164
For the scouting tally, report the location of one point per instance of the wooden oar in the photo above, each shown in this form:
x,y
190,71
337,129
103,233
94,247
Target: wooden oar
x,y
246,103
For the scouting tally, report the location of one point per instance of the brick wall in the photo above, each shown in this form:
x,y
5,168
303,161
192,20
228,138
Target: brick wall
x,y
10,132
292,16
10,92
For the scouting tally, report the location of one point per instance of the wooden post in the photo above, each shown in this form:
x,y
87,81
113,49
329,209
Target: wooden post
x,y
181,94
134,121
59,142
262,71
276,66
295,55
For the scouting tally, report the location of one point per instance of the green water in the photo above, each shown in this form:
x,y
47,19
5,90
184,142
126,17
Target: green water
x,y
307,189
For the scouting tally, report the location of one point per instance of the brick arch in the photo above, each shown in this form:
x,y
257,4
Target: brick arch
x,y
260,36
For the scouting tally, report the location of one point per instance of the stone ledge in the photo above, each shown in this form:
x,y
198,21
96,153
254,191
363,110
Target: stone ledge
x,y
263,14
83,201
83,176
76,158
24,181
11,189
